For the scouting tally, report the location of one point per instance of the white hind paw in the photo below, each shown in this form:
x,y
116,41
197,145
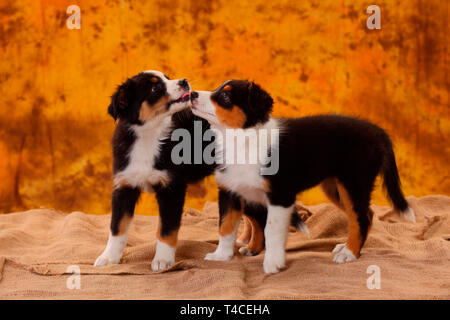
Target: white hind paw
x,y
245,251
219,256
342,254
409,215
106,259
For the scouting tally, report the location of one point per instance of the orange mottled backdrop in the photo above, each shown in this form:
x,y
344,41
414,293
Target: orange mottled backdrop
x,y
312,56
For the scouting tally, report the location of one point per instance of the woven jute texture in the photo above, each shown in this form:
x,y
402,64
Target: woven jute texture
x,y
38,246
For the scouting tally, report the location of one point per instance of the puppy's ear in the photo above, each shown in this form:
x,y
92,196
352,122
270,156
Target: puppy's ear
x,y
260,104
120,100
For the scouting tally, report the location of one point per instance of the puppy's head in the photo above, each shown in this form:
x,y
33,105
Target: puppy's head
x,y
235,104
148,95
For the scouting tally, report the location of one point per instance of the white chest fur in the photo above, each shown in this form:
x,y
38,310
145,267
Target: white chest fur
x,y
245,179
140,171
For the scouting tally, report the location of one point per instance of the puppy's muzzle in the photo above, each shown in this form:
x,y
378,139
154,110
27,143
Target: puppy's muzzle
x,y
194,98
194,95
184,84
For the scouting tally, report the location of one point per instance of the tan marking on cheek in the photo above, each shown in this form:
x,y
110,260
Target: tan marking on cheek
x,y
234,118
170,239
148,112
266,186
124,224
229,221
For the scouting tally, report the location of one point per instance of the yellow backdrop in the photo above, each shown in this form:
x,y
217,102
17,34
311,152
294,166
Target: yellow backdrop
x,y
312,56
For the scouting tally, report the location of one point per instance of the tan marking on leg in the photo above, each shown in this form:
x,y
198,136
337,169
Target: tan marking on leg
x,y
234,117
370,216
302,211
354,240
247,234
229,222
170,239
329,187
197,190
256,243
124,224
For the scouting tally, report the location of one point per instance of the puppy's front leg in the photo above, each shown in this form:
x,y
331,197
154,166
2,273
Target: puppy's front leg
x,y
171,202
123,202
275,232
230,211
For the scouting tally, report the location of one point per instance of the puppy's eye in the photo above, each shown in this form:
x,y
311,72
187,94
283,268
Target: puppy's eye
x,y
225,97
154,89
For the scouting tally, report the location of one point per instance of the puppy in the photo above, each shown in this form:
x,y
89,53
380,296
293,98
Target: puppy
x,y
149,107
348,155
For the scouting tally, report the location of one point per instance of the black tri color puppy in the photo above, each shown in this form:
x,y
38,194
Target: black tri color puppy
x,y
345,155
149,107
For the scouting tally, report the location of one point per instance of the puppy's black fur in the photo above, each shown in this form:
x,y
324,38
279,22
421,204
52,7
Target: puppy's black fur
x,y
146,90
341,153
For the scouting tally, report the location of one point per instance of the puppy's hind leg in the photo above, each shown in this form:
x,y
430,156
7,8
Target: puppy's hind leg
x,y
246,235
256,215
123,202
356,204
330,189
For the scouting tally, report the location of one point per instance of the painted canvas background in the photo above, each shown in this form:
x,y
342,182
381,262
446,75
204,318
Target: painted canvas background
x,y
312,56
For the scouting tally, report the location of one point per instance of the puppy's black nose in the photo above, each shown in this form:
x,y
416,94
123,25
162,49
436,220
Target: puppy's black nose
x,y
183,83
194,95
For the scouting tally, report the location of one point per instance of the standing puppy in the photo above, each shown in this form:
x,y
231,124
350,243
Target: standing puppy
x,y
149,107
348,154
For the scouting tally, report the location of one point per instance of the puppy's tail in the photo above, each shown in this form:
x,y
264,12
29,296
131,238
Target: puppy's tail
x,y
298,224
392,186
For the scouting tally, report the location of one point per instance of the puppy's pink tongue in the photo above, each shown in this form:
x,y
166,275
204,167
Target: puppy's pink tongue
x,y
187,94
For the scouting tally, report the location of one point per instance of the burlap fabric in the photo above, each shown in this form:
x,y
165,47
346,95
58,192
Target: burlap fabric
x,y
37,246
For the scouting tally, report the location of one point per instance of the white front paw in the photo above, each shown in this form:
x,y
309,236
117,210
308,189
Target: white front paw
x,y
107,258
274,263
342,254
161,264
219,256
